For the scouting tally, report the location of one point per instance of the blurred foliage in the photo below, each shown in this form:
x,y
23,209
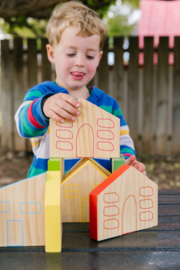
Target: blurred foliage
x,y
118,26
26,27
134,3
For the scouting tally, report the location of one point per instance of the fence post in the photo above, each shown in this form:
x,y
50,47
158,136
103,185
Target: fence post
x,y
18,89
103,70
46,65
118,71
162,96
133,86
147,96
176,99
6,97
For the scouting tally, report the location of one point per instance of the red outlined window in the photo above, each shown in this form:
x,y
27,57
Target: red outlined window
x,y
105,134
110,224
111,211
146,216
64,134
111,197
105,123
146,191
146,204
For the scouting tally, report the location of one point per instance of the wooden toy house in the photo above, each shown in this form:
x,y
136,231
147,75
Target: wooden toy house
x,y
94,134
75,188
22,213
125,202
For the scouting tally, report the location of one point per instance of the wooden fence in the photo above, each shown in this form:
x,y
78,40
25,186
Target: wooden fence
x,y
149,95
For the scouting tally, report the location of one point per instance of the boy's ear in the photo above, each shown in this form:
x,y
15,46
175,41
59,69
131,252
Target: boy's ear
x,y
100,55
50,53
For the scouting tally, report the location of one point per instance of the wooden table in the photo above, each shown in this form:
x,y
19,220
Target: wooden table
x,y
155,248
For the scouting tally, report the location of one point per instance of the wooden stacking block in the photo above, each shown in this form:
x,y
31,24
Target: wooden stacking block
x,y
125,202
75,189
94,134
118,162
56,164
53,227
22,213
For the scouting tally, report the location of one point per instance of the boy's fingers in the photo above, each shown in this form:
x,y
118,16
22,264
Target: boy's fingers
x,y
63,113
68,107
130,160
70,100
56,117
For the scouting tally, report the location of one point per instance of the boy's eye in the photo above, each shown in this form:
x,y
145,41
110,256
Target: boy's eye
x,y
70,54
89,57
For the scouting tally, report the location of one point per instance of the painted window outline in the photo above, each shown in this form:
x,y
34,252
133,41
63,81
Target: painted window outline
x,y
110,206
105,131
105,119
71,190
66,138
106,144
146,219
8,209
64,125
109,220
30,212
62,148
148,194
111,193
148,199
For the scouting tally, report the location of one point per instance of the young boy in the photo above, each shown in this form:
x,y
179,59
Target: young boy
x,y
76,38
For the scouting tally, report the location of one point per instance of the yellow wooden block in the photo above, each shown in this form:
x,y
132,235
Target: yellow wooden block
x,y
53,212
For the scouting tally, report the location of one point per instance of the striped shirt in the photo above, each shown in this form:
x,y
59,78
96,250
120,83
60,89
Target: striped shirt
x,y
32,123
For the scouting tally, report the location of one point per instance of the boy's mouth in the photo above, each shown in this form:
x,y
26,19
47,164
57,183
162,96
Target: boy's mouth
x,y
77,75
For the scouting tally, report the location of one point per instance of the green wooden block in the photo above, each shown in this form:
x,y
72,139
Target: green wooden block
x,y
54,164
118,162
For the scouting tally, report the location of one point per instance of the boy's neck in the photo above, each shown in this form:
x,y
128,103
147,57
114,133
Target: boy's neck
x,y
79,93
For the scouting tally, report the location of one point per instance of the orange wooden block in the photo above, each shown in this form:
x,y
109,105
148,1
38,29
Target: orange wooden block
x,y
125,202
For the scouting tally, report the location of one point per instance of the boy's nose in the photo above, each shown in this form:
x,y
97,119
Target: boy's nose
x,y
79,61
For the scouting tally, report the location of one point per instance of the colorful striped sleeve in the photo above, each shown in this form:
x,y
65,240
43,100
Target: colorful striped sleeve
x,y
30,120
126,142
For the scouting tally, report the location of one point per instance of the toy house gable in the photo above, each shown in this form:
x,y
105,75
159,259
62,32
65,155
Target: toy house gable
x,y
75,189
22,213
94,134
123,203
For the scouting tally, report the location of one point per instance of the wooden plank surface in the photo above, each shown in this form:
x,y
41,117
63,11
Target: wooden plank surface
x,y
162,96
147,96
133,89
154,248
6,96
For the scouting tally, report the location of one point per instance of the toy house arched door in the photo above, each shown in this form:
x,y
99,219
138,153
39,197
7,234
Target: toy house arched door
x,y
85,142
129,215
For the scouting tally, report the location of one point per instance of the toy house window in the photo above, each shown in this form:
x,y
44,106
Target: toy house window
x,y
71,191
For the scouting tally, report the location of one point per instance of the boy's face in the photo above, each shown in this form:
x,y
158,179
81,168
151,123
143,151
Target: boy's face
x,y
76,59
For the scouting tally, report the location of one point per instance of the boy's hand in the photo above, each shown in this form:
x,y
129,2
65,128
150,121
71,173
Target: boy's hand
x,y
60,107
132,161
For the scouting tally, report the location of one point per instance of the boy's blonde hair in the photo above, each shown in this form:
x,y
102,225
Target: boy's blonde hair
x,y
75,13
